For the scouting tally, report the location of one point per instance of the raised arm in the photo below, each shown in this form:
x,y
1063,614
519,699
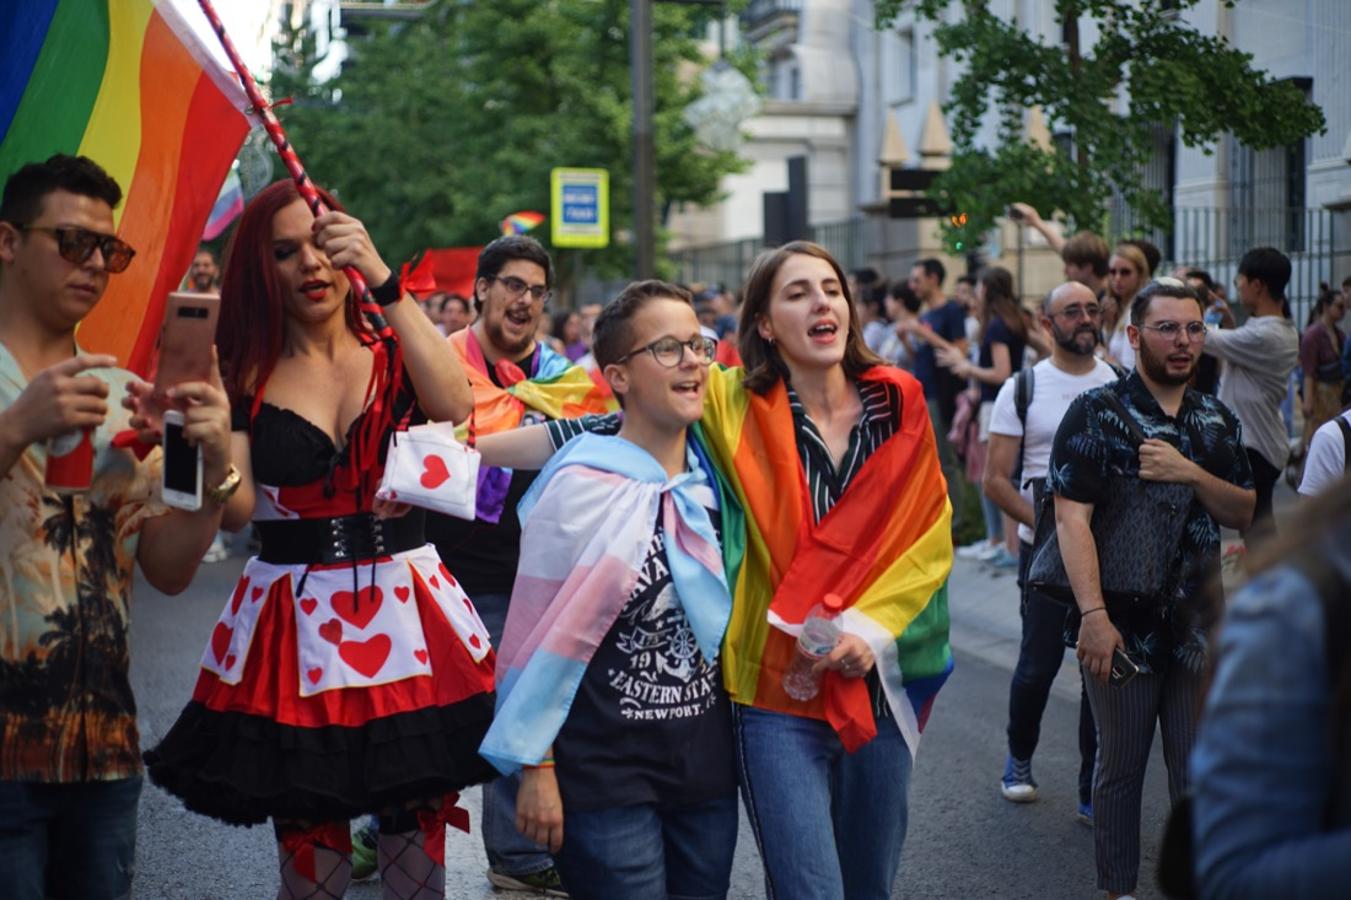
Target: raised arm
x,y
441,385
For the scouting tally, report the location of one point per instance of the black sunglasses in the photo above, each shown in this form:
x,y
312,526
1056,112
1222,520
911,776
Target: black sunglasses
x,y
76,245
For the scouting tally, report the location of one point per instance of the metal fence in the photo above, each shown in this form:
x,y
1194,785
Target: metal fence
x,y
1215,239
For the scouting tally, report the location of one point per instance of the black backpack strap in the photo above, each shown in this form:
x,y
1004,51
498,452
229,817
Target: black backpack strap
x,y
1346,442
1023,384
1132,427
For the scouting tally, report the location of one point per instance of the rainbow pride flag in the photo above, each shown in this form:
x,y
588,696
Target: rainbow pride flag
x,y
522,222
129,84
885,548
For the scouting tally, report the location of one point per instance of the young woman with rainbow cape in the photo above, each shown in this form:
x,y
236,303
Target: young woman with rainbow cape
x,y
832,458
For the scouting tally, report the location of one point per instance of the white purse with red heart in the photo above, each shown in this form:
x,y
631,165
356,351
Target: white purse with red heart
x,y
426,466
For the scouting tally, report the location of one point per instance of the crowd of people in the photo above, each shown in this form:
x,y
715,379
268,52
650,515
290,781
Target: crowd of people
x,y
677,490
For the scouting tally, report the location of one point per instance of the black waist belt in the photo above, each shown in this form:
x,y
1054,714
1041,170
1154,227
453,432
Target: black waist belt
x,y
340,539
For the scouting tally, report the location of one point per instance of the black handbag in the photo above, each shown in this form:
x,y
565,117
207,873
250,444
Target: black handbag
x,y
1137,529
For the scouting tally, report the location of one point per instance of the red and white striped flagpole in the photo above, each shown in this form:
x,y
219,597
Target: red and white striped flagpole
x,y
304,186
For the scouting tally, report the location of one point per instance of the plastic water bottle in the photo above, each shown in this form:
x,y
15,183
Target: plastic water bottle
x,y
820,633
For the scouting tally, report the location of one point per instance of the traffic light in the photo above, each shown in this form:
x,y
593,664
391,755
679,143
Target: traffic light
x,y
958,221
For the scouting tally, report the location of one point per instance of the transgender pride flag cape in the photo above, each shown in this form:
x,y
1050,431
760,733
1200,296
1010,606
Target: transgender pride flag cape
x,y
886,548
587,523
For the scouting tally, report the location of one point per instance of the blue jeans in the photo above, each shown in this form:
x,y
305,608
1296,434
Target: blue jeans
x,y
829,824
646,852
74,841
508,850
1039,658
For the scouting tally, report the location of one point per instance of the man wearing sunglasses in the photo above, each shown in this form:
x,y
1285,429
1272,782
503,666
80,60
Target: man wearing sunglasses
x,y
70,772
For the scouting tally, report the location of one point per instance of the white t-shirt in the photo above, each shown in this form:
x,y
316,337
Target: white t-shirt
x,y
1326,463
1053,390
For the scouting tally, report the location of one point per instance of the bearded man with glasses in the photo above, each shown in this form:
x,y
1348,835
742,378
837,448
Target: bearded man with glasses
x,y
1027,412
517,381
1147,427
70,770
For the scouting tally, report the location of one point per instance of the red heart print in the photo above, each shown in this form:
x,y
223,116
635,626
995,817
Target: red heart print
x,y
257,592
230,661
434,472
421,656
367,657
450,579
220,640
331,631
238,598
308,605
402,593
434,583
358,608
315,674
474,641
469,606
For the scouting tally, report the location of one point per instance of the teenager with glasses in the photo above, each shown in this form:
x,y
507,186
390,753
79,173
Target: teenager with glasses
x,y
613,700
70,770
517,379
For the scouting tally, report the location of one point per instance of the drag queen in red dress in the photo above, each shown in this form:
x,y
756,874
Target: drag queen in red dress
x,y
348,672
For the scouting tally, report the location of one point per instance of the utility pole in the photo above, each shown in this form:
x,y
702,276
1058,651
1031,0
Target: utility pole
x,y
644,168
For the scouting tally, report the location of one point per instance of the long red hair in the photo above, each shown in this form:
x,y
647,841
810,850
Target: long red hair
x,y
252,329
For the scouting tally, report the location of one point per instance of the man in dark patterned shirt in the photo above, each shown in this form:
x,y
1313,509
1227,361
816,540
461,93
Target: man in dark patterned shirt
x,y
1192,439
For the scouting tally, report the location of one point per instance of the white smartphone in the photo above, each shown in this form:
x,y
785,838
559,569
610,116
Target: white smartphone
x,y
182,487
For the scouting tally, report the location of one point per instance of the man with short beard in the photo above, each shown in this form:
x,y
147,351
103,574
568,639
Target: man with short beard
x,y
1021,438
203,273
1189,438
502,358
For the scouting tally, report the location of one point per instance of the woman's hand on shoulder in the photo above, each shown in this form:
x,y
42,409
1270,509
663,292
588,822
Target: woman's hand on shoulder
x,y
347,243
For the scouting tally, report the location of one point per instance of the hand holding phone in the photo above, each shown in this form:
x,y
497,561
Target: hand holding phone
x,y
1123,668
185,342
182,485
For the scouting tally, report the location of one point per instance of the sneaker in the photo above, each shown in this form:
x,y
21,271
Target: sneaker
x,y
365,840
971,551
545,882
1017,785
1084,814
216,552
1003,559
988,552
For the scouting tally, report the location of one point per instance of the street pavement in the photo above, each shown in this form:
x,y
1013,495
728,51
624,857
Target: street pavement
x,y
964,841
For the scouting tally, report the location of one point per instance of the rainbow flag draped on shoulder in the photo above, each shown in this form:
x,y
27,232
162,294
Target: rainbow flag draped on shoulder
x,y
559,389
886,548
129,84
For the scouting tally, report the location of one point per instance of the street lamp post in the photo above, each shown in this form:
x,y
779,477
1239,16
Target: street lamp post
x,y
644,165
644,168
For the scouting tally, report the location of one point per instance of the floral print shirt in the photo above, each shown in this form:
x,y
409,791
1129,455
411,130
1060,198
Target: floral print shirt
x,y
1093,445
66,561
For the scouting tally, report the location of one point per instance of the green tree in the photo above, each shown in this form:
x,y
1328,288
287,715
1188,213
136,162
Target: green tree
x,y
437,128
1171,75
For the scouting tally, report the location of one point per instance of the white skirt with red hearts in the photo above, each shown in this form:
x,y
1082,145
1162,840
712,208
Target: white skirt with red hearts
x,y
327,692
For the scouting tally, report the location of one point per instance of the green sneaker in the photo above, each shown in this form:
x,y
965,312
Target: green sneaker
x,y
365,858
544,882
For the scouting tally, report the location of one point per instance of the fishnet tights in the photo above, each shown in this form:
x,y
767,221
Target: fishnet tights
x,y
406,871
316,863
311,868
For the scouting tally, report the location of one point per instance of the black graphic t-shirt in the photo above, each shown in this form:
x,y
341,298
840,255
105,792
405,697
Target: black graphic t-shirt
x,y
651,722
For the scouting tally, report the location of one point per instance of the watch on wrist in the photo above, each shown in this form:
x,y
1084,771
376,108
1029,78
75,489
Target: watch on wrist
x,y
221,493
